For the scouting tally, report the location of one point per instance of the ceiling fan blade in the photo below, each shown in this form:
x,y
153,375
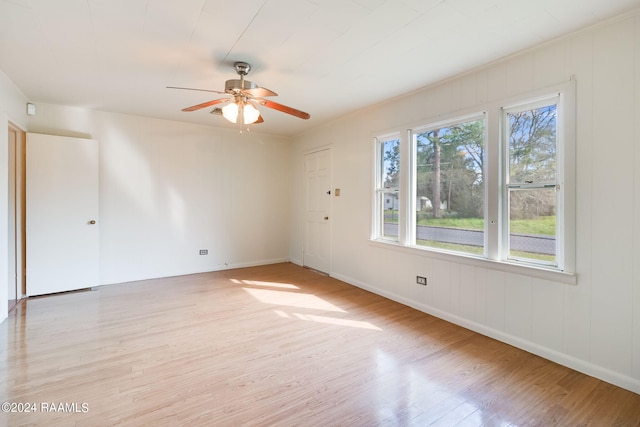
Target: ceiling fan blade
x,y
260,120
206,104
190,88
259,92
283,108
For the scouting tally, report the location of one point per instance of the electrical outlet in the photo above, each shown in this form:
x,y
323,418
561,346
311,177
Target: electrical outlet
x,y
204,251
421,280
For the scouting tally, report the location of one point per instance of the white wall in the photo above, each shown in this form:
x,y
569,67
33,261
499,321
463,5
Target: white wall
x,y
12,108
592,326
169,189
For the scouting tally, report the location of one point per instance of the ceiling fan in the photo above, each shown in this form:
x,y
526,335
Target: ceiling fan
x,y
245,95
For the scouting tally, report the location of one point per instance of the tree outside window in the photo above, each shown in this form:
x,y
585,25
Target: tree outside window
x,y
531,182
387,187
449,186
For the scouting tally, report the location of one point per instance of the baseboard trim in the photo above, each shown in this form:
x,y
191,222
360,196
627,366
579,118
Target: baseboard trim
x,y
221,267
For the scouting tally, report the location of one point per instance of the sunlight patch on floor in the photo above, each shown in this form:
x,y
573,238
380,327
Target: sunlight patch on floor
x,y
261,283
292,299
328,320
336,321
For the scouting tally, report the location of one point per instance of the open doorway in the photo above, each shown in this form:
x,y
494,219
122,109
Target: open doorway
x,y
16,215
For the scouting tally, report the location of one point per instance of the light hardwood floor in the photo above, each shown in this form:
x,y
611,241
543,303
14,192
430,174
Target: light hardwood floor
x,y
276,345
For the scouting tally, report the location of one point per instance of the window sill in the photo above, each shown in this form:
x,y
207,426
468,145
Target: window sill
x,y
538,272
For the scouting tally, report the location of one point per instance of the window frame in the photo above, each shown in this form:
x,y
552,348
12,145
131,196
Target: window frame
x,y
495,188
381,192
540,102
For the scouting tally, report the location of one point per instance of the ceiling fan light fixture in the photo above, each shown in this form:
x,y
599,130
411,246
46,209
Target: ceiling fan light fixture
x,y
230,112
250,113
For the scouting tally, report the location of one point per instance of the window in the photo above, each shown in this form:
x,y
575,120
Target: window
x,y
531,185
497,184
449,186
387,188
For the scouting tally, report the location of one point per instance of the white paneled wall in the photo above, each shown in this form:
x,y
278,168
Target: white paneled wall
x,y
169,189
594,325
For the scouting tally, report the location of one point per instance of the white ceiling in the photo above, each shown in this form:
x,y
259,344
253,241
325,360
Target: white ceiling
x,y
326,57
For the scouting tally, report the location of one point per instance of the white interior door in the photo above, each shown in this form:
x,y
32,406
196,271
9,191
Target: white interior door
x,y
317,242
61,214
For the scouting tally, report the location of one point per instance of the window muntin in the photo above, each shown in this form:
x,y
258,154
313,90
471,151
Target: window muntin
x,y
387,187
531,182
449,186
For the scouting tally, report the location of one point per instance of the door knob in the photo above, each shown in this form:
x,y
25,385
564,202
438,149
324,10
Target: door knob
x,y
93,221
326,218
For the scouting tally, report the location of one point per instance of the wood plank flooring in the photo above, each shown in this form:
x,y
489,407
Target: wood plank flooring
x,y
276,345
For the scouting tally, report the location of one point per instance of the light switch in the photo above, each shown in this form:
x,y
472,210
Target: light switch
x,y
337,192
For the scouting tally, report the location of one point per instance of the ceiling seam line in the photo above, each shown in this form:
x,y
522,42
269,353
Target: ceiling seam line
x,y
244,31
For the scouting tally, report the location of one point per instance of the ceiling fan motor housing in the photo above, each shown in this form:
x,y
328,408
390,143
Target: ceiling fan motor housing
x,y
233,86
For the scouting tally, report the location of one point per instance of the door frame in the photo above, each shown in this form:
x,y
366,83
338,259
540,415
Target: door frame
x,y
17,224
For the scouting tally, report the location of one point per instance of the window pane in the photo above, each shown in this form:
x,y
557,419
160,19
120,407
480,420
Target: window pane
x,y
390,167
532,145
388,188
532,224
390,216
450,187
